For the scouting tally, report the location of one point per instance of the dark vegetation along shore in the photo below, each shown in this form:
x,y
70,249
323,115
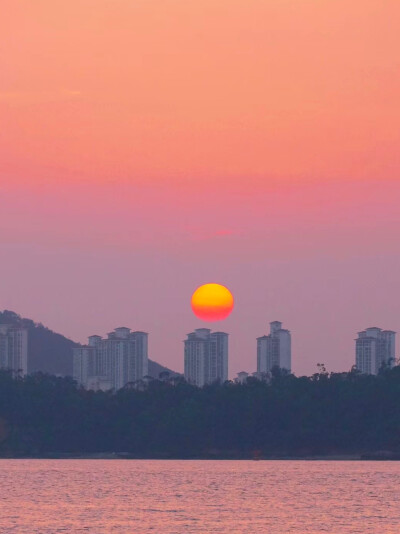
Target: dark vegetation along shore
x,y
327,414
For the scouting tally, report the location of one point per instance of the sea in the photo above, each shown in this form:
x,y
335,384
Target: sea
x,y
190,496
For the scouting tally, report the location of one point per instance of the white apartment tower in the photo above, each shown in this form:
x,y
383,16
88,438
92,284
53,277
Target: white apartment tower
x,y
274,350
374,348
84,364
14,348
206,357
113,362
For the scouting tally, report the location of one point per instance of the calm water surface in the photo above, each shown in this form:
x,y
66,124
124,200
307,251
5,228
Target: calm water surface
x,y
107,496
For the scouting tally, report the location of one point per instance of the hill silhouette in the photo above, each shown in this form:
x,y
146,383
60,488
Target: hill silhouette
x,y
49,352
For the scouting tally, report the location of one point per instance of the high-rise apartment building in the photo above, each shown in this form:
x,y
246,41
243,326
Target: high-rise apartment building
x,y
206,357
274,349
374,348
84,364
14,348
113,362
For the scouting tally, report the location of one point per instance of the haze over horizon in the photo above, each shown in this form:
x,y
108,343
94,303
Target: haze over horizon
x,y
148,149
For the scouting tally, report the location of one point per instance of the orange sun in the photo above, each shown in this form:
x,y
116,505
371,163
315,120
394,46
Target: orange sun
x,y
212,302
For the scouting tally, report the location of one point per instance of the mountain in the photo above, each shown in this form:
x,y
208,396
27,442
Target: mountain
x,y
156,368
51,353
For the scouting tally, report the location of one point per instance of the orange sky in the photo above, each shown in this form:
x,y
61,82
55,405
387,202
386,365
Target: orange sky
x,y
170,143
210,90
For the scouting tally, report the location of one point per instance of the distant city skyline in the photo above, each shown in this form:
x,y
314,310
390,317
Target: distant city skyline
x,y
122,357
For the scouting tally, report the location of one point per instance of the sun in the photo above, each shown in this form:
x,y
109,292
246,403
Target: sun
x,y
212,302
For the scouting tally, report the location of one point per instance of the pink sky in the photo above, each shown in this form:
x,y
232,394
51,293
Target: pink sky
x,y
149,147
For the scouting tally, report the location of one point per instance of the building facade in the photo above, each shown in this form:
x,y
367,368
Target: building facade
x,y
113,362
14,349
84,364
206,357
375,348
274,349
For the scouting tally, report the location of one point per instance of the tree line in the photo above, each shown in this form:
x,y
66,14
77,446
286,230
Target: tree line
x,y
324,414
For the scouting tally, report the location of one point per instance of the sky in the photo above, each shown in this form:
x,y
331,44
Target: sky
x,y
147,148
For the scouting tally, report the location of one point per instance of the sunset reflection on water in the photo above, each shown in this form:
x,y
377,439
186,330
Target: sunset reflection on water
x,y
106,496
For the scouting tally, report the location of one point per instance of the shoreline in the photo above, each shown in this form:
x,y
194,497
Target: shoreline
x,y
123,456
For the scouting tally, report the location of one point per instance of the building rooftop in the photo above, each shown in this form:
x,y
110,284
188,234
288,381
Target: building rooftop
x,y
224,333
139,332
